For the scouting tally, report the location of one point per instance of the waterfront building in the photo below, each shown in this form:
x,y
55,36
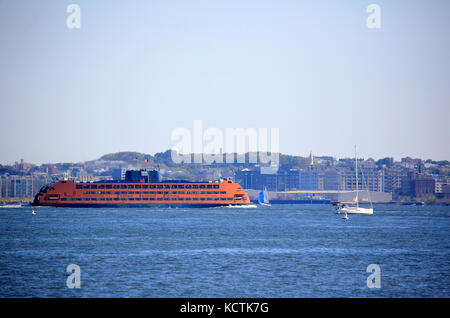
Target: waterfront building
x,y
84,176
309,180
5,187
283,180
417,185
21,187
444,193
332,180
118,173
368,179
287,180
393,179
247,178
439,187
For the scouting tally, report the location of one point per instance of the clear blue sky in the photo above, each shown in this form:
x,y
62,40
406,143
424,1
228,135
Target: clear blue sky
x,y
138,69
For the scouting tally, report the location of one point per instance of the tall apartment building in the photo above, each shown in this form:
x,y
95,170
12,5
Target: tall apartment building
x,y
22,187
5,189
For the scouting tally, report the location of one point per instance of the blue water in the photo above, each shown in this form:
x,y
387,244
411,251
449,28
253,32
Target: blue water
x,y
278,251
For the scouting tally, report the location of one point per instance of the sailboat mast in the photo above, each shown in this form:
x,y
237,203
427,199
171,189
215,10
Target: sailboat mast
x,y
356,173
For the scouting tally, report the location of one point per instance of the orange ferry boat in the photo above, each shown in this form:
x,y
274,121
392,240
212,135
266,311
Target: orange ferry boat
x,y
142,188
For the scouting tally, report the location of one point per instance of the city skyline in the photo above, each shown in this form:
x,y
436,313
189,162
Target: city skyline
x,y
317,158
386,179
134,72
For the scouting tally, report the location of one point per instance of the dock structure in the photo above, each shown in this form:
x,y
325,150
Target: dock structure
x,y
314,191
325,195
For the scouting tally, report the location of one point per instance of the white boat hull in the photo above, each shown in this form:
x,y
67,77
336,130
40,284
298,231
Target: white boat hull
x,y
344,208
354,210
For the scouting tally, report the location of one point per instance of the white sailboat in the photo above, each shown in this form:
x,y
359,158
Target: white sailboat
x,y
263,198
346,208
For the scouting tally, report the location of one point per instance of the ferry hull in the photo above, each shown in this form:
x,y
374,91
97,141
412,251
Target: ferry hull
x,y
139,205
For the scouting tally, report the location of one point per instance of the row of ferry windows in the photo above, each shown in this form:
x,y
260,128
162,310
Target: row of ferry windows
x,y
154,192
147,186
145,199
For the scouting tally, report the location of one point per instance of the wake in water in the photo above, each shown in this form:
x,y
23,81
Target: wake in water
x,y
249,206
12,206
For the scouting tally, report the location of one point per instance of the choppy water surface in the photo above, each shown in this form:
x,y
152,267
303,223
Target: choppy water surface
x,y
280,251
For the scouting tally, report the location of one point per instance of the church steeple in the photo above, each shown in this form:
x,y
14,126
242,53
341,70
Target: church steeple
x,y
311,161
